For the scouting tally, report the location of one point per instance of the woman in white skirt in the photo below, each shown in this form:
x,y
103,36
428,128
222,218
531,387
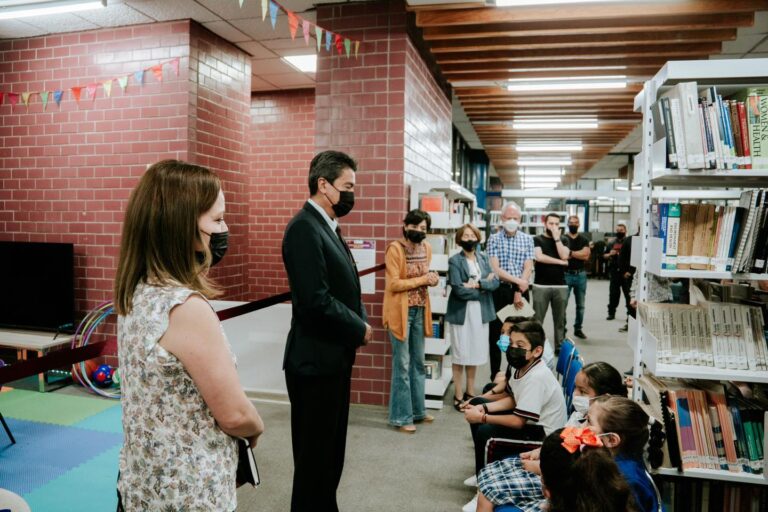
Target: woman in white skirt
x,y
470,310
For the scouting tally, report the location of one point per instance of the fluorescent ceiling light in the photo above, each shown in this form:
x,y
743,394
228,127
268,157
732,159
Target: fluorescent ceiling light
x,y
520,3
554,147
554,118
543,163
540,185
55,7
559,79
304,63
541,179
545,172
554,126
566,86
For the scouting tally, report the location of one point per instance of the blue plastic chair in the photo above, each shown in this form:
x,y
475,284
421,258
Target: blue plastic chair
x,y
564,359
570,378
506,508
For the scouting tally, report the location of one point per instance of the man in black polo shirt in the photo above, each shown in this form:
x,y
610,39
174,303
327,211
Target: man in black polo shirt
x,y
619,283
576,276
551,256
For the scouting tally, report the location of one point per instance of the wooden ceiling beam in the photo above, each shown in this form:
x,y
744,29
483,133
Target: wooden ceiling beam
x,y
641,73
545,64
563,101
582,41
574,27
498,92
574,54
597,11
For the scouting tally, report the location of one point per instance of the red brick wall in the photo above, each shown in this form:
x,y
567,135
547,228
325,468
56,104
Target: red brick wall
x,y
67,171
220,96
428,126
386,111
282,143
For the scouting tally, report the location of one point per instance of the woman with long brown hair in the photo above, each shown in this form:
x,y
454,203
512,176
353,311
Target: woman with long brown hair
x,y
182,401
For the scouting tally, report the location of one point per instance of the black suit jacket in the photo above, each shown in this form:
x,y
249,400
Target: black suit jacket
x,y
329,317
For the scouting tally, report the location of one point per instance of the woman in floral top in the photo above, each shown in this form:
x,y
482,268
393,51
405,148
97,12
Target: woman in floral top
x,y
182,400
408,318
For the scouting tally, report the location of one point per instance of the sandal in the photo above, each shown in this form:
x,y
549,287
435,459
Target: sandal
x,y
468,397
407,429
457,403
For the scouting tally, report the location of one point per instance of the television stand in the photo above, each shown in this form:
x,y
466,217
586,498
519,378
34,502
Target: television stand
x,y
39,343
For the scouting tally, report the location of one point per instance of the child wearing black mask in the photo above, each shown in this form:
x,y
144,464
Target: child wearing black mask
x,y
534,406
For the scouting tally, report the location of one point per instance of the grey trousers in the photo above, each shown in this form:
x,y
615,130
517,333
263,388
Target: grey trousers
x,y
558,297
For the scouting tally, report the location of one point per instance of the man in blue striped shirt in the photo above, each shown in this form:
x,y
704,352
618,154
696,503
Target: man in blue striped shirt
x,y
511,254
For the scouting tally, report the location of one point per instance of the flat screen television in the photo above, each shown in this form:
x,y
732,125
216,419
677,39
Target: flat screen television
x,y
38,286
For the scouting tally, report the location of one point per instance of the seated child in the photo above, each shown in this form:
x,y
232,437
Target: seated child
x,y
533,395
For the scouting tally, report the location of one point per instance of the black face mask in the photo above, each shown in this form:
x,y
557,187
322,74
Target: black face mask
x,y
516,357
414,235
345,203
218,245
620,235
468,245
573,229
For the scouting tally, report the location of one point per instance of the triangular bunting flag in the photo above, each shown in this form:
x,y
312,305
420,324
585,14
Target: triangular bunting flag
x,y
328,36
273,13
57,94
264,8
107,84
13,98
1,97
139,76
123,82
318,36
357,47
25,98
76,93
90,91
158,71
293,24
338,42
347,46
305,28
44,98
175,65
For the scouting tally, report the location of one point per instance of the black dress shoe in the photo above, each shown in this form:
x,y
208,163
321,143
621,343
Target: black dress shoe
x,y
611,317
580,334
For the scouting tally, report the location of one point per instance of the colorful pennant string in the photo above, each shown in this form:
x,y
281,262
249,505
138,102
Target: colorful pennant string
x,y
91,89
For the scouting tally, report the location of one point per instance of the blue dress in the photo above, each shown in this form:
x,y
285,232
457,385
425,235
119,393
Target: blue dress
x,y
634,472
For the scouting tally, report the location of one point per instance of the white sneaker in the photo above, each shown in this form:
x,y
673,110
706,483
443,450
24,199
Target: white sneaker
x,y
471,506
471,481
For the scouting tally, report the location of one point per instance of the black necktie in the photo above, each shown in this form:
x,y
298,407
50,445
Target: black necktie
x,y
346,248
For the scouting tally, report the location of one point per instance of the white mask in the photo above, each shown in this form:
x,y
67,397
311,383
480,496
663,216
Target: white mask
x,y
511,225
581,404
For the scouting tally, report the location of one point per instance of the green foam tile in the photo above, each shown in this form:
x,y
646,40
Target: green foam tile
x,y
56,408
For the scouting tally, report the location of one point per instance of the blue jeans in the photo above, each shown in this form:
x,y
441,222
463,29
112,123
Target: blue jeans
x,y
577,283
406,396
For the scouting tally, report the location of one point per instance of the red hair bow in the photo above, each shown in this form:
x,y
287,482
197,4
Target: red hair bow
x,y
576,438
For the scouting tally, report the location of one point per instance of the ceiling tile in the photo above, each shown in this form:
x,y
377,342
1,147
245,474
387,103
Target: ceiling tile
x,y
762,47
115,15
176,10
256,50
12,29
743,43
257,84
231,10
226,31
270,67
58,23
760,26
261,30
286,43
294,79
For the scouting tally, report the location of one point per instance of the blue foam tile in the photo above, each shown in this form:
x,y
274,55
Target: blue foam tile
x,y
44,451
110,420
90,487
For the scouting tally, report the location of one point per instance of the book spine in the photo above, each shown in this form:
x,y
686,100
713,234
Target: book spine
x,y
707,130
672,236
663,217
672,154
745,146
736,125
757,116
677,126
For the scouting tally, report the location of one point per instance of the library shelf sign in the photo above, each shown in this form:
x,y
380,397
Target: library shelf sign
x,y
364,254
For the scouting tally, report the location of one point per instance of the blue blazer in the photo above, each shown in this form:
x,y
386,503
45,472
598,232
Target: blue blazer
x,y
458,274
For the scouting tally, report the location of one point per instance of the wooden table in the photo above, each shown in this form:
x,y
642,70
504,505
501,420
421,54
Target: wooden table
x,y
38,342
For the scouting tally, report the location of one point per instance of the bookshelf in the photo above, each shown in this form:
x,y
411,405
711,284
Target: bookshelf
x,y
659,182
457,208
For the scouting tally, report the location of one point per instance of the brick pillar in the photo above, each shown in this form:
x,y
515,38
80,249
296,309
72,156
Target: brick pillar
x,y
384,109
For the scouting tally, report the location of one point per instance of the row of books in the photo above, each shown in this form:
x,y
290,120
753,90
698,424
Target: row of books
x,y
705,428
439,202
721,335
705,131
705,496
701,236
433,368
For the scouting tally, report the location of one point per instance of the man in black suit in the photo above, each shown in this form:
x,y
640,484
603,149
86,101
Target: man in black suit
x,y
328,324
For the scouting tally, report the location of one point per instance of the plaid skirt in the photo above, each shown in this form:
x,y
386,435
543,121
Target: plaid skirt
x,y
505,482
